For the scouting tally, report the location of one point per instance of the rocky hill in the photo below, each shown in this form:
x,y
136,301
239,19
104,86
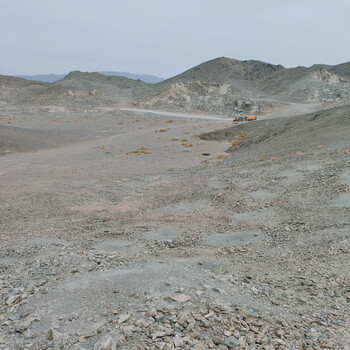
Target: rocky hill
x,y
211,97
51,78
256,79
79,89
342,69
12,88
228,70
229,86
219,86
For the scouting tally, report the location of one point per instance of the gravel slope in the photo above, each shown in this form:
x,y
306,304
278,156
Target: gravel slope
x,y
101,249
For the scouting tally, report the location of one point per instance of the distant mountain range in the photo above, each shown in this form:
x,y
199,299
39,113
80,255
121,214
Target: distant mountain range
x,y
50,78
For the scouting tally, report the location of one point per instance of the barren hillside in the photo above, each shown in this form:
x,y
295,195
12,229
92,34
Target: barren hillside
x,y
12,88
219,86
260,79
242,86
90,89
296,134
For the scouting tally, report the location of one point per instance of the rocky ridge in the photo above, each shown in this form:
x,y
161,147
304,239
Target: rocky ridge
x,y
219,86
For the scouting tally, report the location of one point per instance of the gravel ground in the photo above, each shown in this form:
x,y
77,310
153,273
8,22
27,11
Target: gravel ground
x,y
127,237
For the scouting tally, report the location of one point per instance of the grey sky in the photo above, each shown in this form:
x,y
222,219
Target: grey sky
x,y
166,37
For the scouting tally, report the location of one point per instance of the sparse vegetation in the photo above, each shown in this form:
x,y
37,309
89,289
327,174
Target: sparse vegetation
x,y
187,144
235,144
219,156
244,134
139,151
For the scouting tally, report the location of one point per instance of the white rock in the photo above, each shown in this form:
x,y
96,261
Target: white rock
x,y
178,341
181,298
107,342
123,318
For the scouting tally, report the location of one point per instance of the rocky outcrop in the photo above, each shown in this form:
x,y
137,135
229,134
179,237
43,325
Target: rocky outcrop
x,y
198,95
325,76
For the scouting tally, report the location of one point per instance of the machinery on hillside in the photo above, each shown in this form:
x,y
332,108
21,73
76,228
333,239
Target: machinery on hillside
x,y
247,118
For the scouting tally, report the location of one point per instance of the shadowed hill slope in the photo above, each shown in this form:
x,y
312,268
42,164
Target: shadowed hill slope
x,y
295,134
342,70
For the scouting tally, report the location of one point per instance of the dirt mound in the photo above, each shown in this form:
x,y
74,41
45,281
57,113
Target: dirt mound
x,y
295,134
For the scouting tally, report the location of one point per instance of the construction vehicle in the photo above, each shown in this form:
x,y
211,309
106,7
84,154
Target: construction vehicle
x,y
244,118
250,118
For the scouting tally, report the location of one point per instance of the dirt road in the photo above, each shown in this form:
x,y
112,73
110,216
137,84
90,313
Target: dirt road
x,y
178,115
290,109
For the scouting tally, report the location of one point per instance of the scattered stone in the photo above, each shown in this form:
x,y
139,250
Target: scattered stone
x,y
12,299
181,298
15,317
158,334
54,335
123,318
178,341
109,341
218,290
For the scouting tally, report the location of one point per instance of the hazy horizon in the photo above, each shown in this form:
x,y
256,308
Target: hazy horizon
x,y
165,38
141,73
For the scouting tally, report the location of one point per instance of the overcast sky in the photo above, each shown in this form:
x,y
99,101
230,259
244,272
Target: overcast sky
x,y
167,37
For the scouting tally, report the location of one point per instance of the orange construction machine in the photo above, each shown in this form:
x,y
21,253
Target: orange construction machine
x,y
246,118
250,118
